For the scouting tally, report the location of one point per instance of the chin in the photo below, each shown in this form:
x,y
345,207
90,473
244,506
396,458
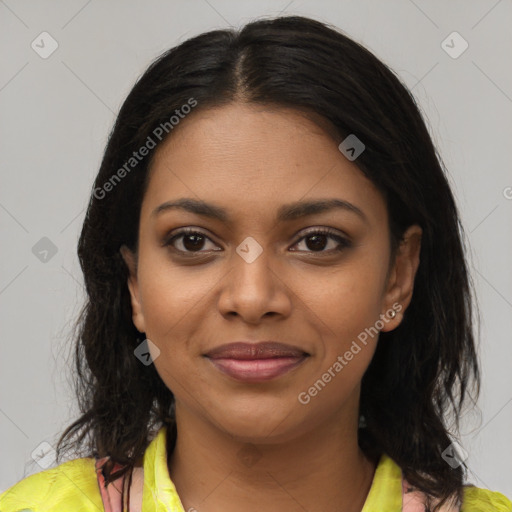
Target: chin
x,y
259,424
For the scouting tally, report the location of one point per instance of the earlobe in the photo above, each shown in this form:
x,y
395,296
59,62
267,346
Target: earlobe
x,y
133,286
401,281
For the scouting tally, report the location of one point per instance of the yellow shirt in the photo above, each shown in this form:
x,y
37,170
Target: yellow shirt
x,y
72,487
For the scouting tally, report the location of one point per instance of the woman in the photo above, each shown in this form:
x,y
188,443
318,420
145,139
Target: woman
x,y
277,289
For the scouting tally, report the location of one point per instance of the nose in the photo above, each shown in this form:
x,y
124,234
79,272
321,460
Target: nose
x,y
254,286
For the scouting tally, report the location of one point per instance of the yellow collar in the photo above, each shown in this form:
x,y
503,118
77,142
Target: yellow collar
x,y
160,494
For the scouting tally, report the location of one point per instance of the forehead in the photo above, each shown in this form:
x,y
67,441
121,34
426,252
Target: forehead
x,y
246,157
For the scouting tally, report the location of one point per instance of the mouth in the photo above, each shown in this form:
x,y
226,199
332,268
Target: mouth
x,y
256,362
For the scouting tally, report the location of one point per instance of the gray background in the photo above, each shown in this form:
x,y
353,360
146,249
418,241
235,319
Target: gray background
x,y
57,112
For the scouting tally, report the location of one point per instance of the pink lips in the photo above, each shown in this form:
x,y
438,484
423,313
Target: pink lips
x,y
256,362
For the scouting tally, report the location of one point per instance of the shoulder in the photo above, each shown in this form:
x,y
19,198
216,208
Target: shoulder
x,y
72,484
483,500
474,499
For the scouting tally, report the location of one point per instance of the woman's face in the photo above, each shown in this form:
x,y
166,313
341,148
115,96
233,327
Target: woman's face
x,y
262,272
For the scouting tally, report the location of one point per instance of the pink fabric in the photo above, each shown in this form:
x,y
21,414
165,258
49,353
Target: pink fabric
x,y
412,500
110,494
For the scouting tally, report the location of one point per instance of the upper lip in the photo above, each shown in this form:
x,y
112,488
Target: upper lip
x,y
255,350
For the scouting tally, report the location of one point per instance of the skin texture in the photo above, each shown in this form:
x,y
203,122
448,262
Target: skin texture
x,y
255,446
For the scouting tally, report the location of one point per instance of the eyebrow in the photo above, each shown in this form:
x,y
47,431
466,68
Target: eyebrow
x,y
287,212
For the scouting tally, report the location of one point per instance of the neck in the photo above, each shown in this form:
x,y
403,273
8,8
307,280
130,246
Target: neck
x,y
322,469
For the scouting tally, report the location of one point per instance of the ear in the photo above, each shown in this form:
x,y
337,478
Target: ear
x,y
400,284
133,285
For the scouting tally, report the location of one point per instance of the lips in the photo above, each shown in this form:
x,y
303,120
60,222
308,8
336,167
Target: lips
x,y
256,362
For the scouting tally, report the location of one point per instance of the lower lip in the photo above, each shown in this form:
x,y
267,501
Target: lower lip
x,y
257,370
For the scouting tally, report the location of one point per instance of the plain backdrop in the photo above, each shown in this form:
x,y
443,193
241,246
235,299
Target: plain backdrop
x,y
56,113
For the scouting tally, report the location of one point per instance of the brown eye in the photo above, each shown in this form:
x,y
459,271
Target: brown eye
x,y
318,240
189,241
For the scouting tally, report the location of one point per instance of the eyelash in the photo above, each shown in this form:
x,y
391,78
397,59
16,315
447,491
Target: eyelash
x,y
344,243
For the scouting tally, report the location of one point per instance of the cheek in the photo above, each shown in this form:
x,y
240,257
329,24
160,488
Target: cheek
x,y
346,306
349,299
170,304
169,292
177,308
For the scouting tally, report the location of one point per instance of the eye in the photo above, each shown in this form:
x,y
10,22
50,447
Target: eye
x,y
315,240
192,241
